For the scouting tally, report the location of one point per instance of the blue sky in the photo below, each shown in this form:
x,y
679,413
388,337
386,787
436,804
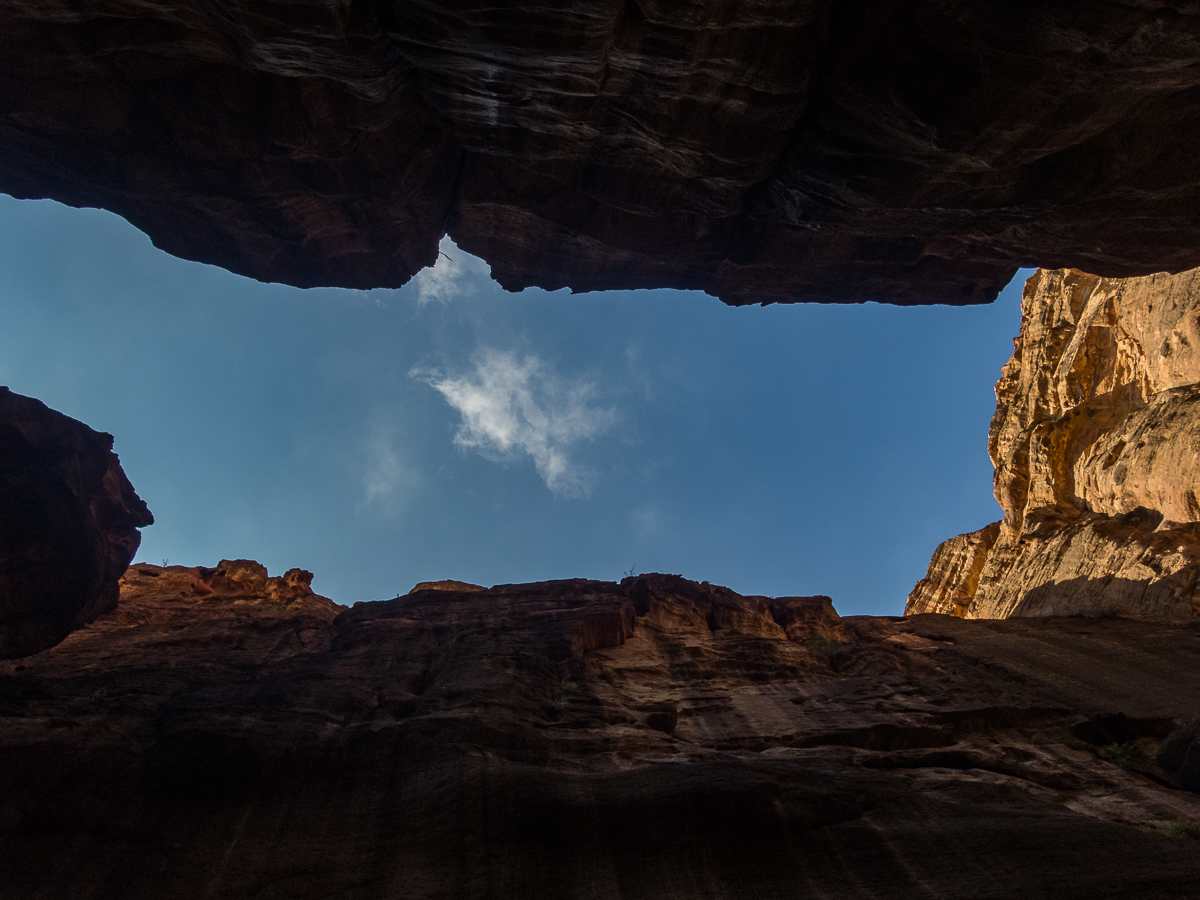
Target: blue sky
x,y
452,430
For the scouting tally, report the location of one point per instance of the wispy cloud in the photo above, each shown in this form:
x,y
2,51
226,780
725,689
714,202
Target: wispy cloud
x,y
514,405
647,521
386,477
373,297
453,275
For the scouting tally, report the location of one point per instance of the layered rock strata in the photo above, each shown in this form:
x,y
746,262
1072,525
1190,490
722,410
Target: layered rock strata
x,y
762,152
1096,443
655,738
69,521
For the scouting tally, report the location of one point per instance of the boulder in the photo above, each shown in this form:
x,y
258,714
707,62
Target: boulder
x,y
1180,754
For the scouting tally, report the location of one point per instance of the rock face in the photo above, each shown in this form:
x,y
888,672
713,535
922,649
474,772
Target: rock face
x,y
1096,443
655,738
1180,755
765,151
446,585
68,529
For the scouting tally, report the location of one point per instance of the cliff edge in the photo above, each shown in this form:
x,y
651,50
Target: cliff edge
x,y
69,521
223,734
762,152
1096,444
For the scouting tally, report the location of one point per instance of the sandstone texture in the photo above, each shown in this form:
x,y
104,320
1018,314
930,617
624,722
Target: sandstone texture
x,y
446,585
69,521
762,151
1096,443
656,738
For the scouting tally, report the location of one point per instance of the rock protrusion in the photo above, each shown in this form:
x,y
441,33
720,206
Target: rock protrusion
x,y
954,573
68,528
249,578
763,152
446,584
1096,444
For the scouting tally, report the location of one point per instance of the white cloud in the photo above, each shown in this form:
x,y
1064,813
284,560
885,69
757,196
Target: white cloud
x,y
453,275
374,297
647,521
512,406
386,477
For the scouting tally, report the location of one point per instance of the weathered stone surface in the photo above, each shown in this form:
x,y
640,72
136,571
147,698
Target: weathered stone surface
x,y
446,585
764,151
1180,755
653,739
245,577
954,573
1096,443
69,522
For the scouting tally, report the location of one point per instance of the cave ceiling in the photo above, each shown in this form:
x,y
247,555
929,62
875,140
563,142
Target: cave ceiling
x,y
762,151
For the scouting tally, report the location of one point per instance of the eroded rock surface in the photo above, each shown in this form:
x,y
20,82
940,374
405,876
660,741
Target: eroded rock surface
x,y
446,585
1096,443
655,738
762,151
69,521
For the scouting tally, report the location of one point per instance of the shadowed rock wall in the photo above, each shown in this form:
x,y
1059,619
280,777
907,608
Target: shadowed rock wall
x,y
1096,443
907,152
69,522
656,738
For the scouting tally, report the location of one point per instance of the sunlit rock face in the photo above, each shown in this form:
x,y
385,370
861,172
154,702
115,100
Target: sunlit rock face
x,y
1096,443
954,573
763,151
69,522
656,738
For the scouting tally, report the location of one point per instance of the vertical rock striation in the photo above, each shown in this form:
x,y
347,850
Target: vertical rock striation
x,y
69,521
954,573
1096,443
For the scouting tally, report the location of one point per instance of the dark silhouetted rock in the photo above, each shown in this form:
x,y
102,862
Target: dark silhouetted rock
x,y
655,738
1180,755
860,150
68,525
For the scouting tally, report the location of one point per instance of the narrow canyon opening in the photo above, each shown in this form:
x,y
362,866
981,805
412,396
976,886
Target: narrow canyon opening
x,y
306,269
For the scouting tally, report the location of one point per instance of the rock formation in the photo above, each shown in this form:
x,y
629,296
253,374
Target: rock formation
x,y
1180,755
859,150
446,585
655,738
1096,443
68,528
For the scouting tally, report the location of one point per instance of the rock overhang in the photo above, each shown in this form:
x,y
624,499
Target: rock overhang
x,y
765,152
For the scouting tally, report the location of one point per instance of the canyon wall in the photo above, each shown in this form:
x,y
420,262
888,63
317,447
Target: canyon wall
x,y
1096,444
69,521
762,151
226,734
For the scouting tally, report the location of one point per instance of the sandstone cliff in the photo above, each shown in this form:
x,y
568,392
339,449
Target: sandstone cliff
x,y
69,522
1096,443
219,736
765,151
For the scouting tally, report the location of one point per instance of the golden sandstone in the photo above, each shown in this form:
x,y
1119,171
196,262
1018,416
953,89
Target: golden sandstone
x,y
1096,441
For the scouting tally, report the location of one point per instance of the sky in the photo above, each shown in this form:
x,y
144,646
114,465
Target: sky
x,y
450,429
